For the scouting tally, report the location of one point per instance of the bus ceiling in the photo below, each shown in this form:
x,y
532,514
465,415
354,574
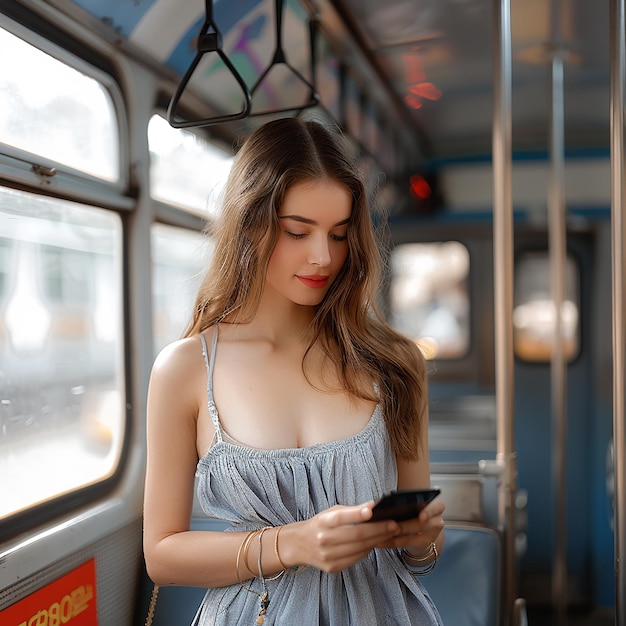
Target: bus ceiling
x,y
418,74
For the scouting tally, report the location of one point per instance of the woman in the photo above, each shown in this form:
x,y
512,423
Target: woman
x,y
297,406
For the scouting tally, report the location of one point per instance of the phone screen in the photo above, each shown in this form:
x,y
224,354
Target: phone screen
x,y
403,505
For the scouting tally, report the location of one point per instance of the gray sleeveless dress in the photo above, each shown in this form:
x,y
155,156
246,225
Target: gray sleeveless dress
x,y
252,488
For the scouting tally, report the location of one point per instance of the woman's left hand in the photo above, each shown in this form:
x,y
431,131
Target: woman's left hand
x,y
418,533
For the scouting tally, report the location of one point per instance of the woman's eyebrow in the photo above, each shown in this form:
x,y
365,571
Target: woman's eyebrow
x,y
306,220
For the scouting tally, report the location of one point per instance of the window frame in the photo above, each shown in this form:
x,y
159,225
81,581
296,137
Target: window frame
x,y
18,171
18,165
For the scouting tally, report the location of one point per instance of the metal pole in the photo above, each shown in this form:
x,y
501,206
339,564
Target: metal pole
x,y
618,262
558,364
503,296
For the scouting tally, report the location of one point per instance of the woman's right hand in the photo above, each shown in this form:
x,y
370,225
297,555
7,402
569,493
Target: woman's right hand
x,y
335,538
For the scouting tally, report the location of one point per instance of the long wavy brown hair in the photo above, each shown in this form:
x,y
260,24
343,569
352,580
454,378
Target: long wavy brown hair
x,y
347,323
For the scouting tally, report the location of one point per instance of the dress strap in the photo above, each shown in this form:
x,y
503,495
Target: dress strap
x,y
210,362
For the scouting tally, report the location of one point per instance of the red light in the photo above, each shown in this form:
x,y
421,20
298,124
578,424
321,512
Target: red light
x,y
425,90
420,189
413,101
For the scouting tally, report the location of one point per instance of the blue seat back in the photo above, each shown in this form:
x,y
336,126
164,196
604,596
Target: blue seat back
x,y
465,585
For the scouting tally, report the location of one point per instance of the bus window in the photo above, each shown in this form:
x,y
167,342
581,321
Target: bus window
x,y
534,312
186,170
56,112
179,258
61,343
429,296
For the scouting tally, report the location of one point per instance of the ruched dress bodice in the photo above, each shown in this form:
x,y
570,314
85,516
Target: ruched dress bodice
x,y
251,488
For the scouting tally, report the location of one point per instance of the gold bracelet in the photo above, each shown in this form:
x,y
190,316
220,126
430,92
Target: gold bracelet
x,y
246,548
245,541
243,552
420,560
280,561
265,598
275,576
423,557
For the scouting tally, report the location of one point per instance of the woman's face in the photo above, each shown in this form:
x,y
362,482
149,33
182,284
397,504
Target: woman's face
x,y
312,246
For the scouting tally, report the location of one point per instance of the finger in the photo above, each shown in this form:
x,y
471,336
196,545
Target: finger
x,y
342,547
338,564
351,542
418,541
342,515
434,509
419,526
358,536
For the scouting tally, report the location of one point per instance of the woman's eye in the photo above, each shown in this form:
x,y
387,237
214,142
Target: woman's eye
x,y
301,235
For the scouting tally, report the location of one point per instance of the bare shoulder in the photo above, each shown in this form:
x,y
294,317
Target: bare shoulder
x,y
177,356
179,369
181,358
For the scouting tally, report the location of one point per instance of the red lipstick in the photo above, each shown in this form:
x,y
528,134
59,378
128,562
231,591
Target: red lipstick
x,y
315,281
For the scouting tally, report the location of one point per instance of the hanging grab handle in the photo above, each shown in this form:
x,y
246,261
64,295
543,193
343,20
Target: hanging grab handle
x,y
209,40
281,59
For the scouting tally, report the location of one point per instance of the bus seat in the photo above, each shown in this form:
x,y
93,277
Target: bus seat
x,y
469,495
465,585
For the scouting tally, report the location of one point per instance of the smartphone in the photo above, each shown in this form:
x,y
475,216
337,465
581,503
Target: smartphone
x,y
403,504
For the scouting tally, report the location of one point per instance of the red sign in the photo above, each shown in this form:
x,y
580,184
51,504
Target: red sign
x,y
70,599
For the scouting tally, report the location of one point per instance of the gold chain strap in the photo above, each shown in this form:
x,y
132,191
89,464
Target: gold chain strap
x,y
152,605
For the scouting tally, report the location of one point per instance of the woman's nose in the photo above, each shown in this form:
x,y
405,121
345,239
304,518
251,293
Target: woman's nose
x,y
319,253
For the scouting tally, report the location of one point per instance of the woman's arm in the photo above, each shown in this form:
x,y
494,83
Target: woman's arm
x,y
416,535
171,551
